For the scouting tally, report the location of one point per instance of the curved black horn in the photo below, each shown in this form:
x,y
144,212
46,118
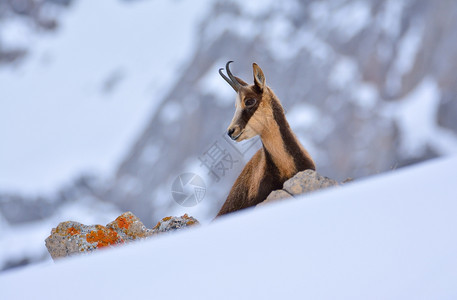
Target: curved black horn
x,y
232,80
227,66
228,80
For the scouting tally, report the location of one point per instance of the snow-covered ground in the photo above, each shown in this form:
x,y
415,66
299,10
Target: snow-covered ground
x,y
387,237
83,94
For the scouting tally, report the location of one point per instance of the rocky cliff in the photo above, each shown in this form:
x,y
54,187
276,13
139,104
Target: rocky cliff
x,y
368,86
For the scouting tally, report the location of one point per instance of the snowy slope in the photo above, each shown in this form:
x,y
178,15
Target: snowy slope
x,y
388,237
82,95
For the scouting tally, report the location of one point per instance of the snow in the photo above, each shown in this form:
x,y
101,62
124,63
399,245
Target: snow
x,y
150,154
303,116
386,237
346,18
343,73
422,105
130,185
214,86
351,18
258,8
15,33
345,77
404,61
390,18
281,37
366,95
171,112
389,23
83,94
243,27
416,116
319,50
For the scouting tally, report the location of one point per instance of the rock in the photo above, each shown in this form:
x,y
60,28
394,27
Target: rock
x,y
70,237
129,227
347,180
303,182
174,223
307,181
276,196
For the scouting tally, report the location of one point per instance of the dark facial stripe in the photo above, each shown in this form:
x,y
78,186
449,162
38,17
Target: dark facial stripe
x,y
301,161
247,113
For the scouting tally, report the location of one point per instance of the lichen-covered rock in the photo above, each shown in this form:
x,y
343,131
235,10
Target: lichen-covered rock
x,y
70,237
307,181
129,227
174,223
276,196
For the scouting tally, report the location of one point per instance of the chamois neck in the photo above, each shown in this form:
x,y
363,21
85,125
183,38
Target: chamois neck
x,y
280,142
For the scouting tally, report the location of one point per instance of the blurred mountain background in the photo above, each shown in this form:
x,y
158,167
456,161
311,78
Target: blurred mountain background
x,y
103,104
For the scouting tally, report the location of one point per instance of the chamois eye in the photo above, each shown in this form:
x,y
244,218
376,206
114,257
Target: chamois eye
x,y
249,102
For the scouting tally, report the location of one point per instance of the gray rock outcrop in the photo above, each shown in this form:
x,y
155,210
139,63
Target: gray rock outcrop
x,y
303,182
307,181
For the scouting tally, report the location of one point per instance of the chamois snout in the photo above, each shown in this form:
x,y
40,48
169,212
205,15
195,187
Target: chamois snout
x,y
234,132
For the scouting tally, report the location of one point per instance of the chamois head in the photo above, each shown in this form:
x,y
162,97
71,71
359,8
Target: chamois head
x,y
253,108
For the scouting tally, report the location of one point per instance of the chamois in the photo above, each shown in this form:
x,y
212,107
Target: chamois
x,y
259,112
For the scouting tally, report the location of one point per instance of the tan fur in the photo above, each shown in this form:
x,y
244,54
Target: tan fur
x,y
258,169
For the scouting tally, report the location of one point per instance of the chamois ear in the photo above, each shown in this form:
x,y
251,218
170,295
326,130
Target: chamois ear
x,y
241,81
259,78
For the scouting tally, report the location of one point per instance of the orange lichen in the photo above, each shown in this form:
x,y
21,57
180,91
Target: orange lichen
x,y
190,222
157,226
160,222
124,222
166,219
103,237
73,231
